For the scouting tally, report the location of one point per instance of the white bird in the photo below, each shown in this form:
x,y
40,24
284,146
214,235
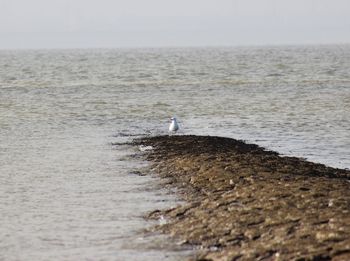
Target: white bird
x,y
173,125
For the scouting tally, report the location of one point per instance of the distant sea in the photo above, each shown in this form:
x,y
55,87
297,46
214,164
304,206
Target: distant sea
x,y
67,193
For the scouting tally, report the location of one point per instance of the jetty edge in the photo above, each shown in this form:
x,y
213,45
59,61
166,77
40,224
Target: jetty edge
x,y
247,203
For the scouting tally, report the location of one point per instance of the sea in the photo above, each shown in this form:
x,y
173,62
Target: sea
x,y
69,189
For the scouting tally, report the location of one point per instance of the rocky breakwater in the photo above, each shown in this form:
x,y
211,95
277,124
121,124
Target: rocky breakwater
x,y
246,203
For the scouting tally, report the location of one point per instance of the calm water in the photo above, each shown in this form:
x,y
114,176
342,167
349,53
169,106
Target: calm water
x,y
67,193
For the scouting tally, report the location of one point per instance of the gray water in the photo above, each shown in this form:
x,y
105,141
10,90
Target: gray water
x,y
67,193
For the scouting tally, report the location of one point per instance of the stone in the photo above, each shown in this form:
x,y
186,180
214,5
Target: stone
x,y
243,202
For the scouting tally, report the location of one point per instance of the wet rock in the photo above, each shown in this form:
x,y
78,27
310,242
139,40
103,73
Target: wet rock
x,y
247,203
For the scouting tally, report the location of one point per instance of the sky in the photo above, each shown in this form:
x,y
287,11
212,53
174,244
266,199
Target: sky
x,y
157,23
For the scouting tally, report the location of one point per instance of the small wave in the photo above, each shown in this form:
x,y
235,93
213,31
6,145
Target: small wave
x,y
275,75
125,134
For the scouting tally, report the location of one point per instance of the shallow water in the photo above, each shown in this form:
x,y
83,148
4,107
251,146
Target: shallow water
x,y
67,193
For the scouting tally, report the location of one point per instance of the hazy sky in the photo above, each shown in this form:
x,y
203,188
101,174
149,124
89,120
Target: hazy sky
x,y
140,23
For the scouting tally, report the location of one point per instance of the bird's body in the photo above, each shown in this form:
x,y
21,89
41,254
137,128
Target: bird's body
x,y
174,126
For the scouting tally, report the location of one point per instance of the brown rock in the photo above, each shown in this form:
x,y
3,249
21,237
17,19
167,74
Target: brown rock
x,y
246,203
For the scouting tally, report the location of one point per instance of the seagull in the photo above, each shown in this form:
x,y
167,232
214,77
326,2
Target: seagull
x,y
173,125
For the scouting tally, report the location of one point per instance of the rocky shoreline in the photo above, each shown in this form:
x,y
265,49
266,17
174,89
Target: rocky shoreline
x,y
246,203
